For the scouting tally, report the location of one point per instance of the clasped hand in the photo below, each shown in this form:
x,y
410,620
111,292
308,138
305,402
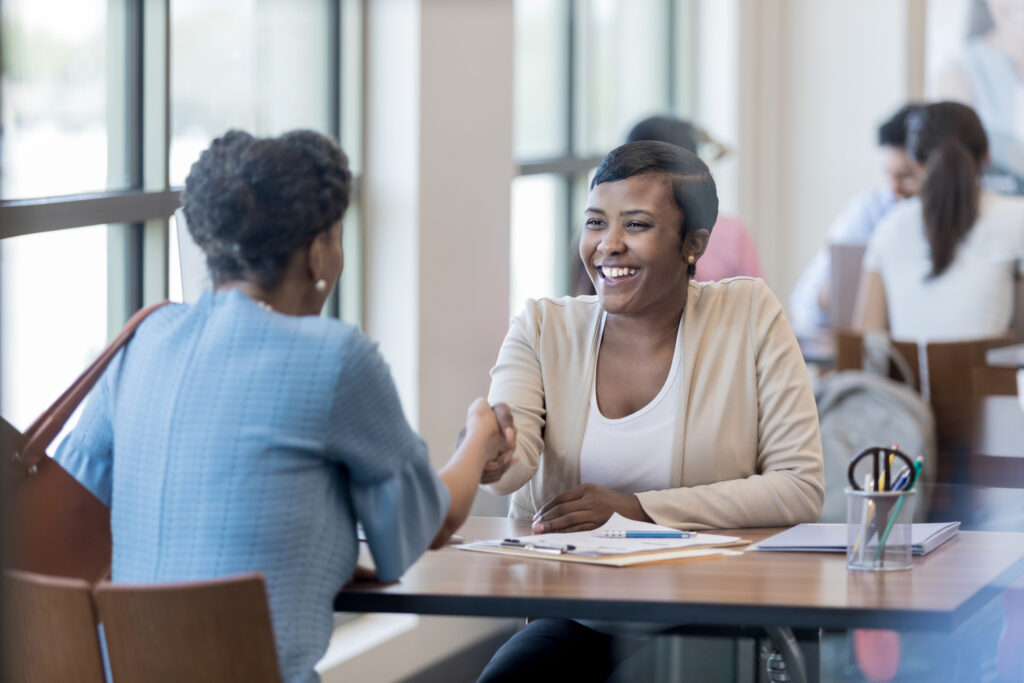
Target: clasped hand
x,y
501,445
584,508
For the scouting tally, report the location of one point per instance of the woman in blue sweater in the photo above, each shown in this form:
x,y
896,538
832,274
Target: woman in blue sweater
x,y
247,433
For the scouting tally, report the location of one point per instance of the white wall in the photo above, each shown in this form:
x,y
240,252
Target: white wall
x,y
439,167
717,92
816,78
465,173
438,171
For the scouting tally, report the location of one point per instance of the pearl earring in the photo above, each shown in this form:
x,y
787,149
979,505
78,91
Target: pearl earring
x,y
321,285
691,259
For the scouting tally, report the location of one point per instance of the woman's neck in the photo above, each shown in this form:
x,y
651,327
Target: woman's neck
x,y
650,328
281,299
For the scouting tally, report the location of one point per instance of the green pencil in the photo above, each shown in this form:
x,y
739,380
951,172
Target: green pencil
x,y
918,464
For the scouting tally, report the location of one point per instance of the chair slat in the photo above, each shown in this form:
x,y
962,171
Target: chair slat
x,y
50,630
217,630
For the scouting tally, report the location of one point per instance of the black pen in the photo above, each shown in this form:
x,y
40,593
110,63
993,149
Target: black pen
x,y
556,550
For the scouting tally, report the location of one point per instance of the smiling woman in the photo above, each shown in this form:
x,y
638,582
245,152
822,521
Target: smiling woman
x,y
660,398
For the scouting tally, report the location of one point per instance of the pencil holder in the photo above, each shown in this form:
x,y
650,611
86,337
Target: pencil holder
x,y
878,530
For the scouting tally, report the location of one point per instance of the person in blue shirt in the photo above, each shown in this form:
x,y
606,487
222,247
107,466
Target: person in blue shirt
x,y
247,433
808,304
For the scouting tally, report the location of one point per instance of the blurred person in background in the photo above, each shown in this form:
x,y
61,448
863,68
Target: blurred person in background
x,y
988,75
809,302
731,250
942,266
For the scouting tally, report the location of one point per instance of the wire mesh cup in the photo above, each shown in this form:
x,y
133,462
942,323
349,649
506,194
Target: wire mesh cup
x,y
878,530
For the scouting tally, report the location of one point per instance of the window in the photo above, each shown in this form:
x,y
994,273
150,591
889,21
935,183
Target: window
x,y
54,321
57,102
235,65
586,72
104,106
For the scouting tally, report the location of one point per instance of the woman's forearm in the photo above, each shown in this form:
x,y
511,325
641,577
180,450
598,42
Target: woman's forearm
x,y
461,475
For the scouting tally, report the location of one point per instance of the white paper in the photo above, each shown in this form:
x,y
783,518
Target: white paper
x,y
592,543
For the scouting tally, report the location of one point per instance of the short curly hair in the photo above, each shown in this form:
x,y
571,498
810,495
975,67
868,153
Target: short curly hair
x,y
693,188
251,202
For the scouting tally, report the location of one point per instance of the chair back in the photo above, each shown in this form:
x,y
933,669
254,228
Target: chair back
x,y
844,281
850,356
954,368
218,630
957,368
49,630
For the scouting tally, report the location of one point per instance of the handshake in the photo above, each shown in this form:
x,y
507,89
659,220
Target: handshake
x,y
494,429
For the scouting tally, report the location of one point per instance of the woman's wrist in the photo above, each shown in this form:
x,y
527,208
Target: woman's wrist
x,y
475,445
636,510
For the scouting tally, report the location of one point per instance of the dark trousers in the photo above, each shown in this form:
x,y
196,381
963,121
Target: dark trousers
x,y
563,650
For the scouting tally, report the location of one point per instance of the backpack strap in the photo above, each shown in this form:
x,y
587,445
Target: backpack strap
x,y
877,350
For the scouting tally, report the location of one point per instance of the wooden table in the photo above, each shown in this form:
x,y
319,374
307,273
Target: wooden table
x,y
819,349
799,590
1006,356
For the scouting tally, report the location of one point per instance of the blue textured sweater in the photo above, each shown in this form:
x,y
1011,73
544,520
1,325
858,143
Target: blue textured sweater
x,y
227,438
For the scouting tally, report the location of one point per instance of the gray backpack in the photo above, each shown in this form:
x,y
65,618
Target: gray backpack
x,y
860,408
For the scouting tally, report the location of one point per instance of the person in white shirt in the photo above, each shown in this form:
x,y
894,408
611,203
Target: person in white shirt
x,y
808,304
942,266
660,399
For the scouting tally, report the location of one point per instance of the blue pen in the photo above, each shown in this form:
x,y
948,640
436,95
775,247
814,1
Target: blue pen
x,y
614,533
901,479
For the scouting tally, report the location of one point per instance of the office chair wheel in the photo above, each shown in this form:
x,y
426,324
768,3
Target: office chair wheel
x,y
781,657
774,665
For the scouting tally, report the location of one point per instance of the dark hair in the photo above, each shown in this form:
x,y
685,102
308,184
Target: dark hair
x,y
948,138
692,185
667,129
251,202
893,131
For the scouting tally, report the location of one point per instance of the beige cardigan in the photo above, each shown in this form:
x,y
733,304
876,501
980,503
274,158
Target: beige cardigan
x,y
747,450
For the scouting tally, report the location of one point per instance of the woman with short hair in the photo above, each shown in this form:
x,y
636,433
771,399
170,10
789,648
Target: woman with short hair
x,y
661,399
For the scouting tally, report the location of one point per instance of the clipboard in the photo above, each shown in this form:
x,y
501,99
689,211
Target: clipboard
x,y
597,547
625,560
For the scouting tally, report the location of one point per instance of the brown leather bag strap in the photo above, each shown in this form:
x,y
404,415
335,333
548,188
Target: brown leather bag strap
x,y
46,427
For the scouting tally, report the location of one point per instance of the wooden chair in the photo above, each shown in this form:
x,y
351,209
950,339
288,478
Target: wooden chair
x,y
844,282
849,356
954,368
957,375
217,630
49,630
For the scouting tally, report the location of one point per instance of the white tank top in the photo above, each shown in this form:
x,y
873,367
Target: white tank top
x,y
634,453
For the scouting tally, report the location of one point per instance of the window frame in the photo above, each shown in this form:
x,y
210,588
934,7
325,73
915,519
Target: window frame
x,y
138,217
573,167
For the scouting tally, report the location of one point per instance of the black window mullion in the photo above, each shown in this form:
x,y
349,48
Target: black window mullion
x,y
571,108
334,56
134,41
670,72
334,71
572,7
